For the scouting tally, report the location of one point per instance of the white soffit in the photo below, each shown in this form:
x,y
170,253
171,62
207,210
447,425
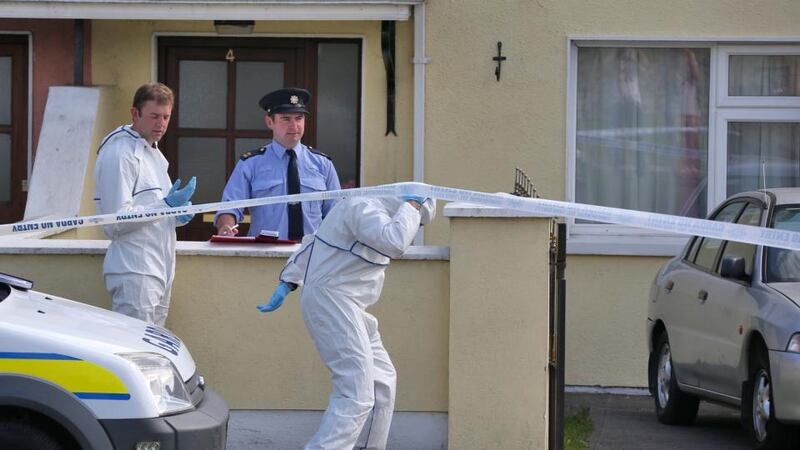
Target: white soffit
x,y
209,9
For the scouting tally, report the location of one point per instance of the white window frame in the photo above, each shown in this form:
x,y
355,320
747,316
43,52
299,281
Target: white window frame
x,y
612,239
724,100
726,115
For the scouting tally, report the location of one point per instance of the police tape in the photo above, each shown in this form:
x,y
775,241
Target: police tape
x,y
537,206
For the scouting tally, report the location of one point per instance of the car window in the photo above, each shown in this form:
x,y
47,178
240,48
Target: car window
x,y
706,253
750,216
783,265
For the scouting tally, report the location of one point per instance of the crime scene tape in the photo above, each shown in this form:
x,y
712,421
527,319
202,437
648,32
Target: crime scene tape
x,y
549,208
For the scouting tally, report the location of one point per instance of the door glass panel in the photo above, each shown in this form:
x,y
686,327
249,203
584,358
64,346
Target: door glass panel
x,y
205,159
5,167
202,94
763,154
5,90
337,108
764,75
247,144
253,80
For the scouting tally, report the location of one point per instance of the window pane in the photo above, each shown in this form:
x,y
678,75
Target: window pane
x,y
783,265
243,145
750,216
205,159
707,253
337,108
5,167
5,90
759,149
203,87
253,80
764,75
642,129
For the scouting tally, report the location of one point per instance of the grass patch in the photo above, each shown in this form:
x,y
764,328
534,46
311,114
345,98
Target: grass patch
x,y
577,430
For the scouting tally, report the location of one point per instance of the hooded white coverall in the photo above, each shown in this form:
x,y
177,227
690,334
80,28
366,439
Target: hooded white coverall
x,y
139,266
341,270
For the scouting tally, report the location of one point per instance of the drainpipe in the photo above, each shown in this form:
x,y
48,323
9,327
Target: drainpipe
x,y
419,61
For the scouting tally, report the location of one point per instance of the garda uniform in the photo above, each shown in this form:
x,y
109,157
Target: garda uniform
x,y
262,173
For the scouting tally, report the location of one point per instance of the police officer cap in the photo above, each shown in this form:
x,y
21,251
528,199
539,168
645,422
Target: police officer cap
x,y
287,100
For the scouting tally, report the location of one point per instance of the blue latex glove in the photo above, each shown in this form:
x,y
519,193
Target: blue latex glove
x,y
415,198
179,197
186,218
277,298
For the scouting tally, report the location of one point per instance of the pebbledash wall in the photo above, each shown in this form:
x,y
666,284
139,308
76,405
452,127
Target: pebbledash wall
x,y
478,129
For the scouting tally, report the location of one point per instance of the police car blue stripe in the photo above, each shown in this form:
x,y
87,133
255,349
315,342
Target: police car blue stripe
x,y
17,355
99,396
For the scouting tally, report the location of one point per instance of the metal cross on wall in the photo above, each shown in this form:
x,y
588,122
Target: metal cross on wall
x,y
499,59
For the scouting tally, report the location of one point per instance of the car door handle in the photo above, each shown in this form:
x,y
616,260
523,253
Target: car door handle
x,y
668,287
702,296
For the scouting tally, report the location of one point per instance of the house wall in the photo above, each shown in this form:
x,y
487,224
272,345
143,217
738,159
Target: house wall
x,y
267,361
53,51
478,130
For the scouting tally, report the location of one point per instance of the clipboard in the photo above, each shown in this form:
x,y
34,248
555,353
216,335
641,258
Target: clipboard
x,y
250,240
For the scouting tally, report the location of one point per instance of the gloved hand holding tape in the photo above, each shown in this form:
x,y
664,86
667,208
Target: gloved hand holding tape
x,y
546,208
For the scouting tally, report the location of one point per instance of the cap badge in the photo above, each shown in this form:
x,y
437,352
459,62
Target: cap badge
x,y
294,100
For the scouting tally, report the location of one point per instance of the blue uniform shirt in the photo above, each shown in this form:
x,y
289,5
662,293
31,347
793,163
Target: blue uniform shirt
x,y
262,173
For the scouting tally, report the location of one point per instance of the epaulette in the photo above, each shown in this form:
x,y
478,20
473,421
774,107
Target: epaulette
x,y
253,153
317,152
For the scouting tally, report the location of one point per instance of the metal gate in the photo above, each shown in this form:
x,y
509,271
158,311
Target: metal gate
x,y
558,264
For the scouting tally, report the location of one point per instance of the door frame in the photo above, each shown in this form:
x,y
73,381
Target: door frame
x,y
24,132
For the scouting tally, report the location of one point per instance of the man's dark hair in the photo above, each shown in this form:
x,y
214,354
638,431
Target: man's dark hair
x,y
157,92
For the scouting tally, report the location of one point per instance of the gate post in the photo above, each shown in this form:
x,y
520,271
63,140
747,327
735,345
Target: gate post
x,y
499,317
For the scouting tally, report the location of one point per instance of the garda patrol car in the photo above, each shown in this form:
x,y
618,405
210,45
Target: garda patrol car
x,y
73,376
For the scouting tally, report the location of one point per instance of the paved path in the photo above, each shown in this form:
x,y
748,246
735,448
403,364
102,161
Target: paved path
x,y
629,422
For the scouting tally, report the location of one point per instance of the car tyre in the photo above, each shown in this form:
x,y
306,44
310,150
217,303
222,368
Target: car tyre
x,y
758,408
21,435
673,407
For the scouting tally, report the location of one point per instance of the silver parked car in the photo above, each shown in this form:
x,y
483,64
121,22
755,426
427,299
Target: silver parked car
x,y
723,324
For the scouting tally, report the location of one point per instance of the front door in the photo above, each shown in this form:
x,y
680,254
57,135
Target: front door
x,y
216,118
13,127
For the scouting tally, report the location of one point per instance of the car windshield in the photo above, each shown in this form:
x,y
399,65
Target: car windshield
x,y
784,265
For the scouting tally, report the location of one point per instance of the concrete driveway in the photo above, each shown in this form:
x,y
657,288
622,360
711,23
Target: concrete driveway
x,y
620,422
629,422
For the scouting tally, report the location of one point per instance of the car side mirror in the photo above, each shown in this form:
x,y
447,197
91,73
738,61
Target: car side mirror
x,y
733,267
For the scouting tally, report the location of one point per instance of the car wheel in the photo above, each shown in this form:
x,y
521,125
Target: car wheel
x,y
673,407
758,407
20,435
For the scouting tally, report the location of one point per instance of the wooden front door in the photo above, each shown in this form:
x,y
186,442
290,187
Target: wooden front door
x,y
13,127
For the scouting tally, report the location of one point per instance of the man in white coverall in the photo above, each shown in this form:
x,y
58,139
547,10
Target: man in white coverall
x,y
341,270
131,175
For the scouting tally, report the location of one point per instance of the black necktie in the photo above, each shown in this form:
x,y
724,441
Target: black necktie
x,y
295,210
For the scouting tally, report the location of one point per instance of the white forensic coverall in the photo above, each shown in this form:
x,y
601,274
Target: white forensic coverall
x,y
139,267
341,270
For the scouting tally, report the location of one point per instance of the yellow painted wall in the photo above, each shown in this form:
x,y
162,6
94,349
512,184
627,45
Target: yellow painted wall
x,y
267,361
478,130
499,333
